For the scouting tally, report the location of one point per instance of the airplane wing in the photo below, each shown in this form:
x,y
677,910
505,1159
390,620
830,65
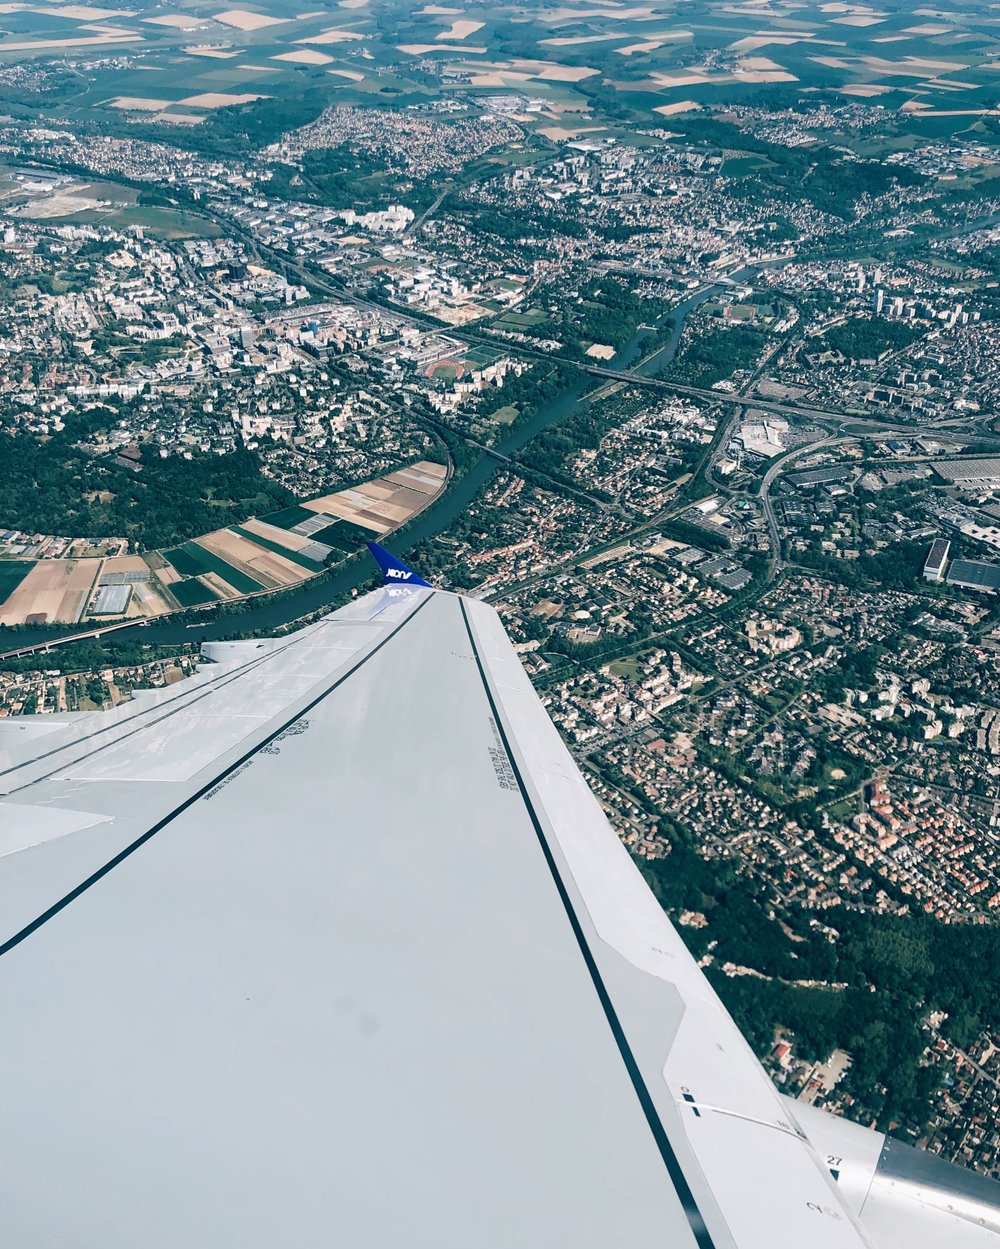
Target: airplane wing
x,y
332,944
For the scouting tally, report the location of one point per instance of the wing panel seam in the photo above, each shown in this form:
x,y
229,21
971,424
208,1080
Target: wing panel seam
x,y
169,708
140,841
692,1212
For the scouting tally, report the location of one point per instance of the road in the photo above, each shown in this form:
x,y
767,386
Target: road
x,y
18,652
415,225
739,398
779,466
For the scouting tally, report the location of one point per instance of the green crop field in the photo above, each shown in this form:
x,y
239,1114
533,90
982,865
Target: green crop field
x,y
192,560
192,593
344,536
187,562
288,517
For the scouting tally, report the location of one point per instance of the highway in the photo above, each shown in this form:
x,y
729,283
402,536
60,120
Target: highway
x,y
740,398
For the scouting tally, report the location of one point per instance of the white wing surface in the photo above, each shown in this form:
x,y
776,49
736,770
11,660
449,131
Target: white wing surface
x,y
333,945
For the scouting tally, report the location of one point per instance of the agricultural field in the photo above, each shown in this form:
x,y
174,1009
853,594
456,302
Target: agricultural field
x,y
54,590
202,75
275,552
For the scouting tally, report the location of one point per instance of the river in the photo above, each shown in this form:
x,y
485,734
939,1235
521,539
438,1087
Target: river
x,y
333,587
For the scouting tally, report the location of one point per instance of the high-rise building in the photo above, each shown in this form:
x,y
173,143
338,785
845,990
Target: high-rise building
x,y
937,557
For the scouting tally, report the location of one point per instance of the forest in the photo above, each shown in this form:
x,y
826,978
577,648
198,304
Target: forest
x,y
896,567
710,356
866,338
895,971
53,487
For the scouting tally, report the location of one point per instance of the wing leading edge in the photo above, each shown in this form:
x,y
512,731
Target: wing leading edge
x,y
337,944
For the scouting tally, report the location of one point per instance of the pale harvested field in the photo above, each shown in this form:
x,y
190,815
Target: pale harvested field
x,y
752,42
220,99
218,54
255,561
242,19
168,574
679,80
352,4
858,19
134,104
304,56
424,475
388,501
954,112
565,73
658,41
484,80
124,563
864,90
332,36
111,31
374,490
430,9
268,567
759,62
928,29
54,591
682,106
337,505
222,588
293,541
559,134
179,119
461,29
58,44
389,514
354,76
916,66
421,49
149,600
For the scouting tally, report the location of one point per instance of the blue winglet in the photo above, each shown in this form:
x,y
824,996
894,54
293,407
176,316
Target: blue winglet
x,y
394,571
